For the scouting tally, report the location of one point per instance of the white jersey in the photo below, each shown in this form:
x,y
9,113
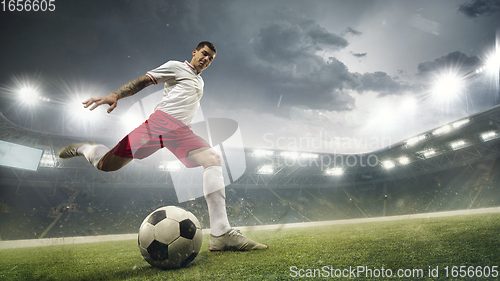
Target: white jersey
x,y
182,92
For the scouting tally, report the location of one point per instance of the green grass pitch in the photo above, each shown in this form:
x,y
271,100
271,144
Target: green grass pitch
x,y
418,248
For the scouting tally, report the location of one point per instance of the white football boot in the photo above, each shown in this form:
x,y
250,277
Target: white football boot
x,y
70,151
233,240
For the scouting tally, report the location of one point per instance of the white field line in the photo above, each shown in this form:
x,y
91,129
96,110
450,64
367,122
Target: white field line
x,y
103,238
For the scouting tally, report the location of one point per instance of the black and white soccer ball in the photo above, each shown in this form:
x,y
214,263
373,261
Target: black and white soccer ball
x,y
170,237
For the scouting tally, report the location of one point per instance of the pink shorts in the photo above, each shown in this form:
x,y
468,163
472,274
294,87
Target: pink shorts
x,y
160,130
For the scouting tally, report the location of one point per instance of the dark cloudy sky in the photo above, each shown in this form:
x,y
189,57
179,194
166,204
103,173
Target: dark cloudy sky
x,y
325,76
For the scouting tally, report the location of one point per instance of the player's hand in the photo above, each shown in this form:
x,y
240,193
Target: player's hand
x,y
93,103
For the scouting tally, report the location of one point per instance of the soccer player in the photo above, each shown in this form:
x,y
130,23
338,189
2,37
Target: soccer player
x,y
168,127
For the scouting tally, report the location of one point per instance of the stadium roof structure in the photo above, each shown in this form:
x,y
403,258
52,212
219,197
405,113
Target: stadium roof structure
x,y
462,142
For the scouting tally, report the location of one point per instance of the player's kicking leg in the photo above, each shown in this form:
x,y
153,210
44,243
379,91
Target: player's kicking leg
x,y
222,236
97,154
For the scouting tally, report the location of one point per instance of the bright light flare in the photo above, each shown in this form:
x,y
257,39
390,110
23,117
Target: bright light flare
x,y
447,86
388,164
428,153
415,140
443,130
460,123
309,155
169,166
78,112
335,171
262,152
487,136
493,63
48,159
404,160
266,170
289,154
28,94
457,144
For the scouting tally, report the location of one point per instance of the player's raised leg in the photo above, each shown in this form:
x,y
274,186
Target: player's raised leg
x,y
222,236
97,154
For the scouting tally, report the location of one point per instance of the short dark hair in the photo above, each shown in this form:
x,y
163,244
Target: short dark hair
x,y
208,44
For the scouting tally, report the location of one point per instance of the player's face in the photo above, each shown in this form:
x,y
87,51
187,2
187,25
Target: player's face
x,y
202,58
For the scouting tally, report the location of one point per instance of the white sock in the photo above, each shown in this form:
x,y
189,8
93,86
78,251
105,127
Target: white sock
x,y
215,194
93,153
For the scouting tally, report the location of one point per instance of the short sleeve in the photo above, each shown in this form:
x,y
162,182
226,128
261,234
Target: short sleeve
x,y
163,73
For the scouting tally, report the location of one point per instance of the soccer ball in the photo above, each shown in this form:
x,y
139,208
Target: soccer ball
x,y
170,237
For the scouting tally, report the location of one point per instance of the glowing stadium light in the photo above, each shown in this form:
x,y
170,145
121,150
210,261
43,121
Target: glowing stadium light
x,y
428,153
443,130
460,123
487,136
28,94
173,166
447,86
493,63
404,160
266,169
48,159
262,152
388,164
458,144
415,140
337,171
169,166
309,155
289,154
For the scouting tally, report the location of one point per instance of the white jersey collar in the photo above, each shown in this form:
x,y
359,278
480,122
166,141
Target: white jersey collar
x,y
192,67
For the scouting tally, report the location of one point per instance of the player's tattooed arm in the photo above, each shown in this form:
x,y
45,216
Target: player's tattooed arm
x,y
129,89
133,87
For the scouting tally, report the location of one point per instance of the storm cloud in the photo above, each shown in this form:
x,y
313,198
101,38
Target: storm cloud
x,y
476,8
456,61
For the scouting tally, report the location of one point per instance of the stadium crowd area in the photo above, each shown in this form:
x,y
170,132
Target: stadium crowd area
x,y
29,212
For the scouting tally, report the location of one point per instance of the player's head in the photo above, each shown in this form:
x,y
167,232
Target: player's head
x,y
208,44
203,55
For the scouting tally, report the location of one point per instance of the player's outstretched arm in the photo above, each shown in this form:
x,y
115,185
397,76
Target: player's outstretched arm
x,y
129,89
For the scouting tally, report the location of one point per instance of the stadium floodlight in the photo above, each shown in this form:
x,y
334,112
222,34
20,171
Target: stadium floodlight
x,y
404,160
443,130
493,63
48,159
458,144
28,94
487,136
337,171
266,170
447,85
169,166
428,153
309,155
173,166
415,140
289,154
388,164
262,152
460,123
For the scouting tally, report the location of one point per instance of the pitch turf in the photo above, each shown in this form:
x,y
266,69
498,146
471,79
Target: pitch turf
x,y
411,247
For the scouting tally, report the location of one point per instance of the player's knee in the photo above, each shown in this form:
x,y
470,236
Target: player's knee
x,y
214,159
211,158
